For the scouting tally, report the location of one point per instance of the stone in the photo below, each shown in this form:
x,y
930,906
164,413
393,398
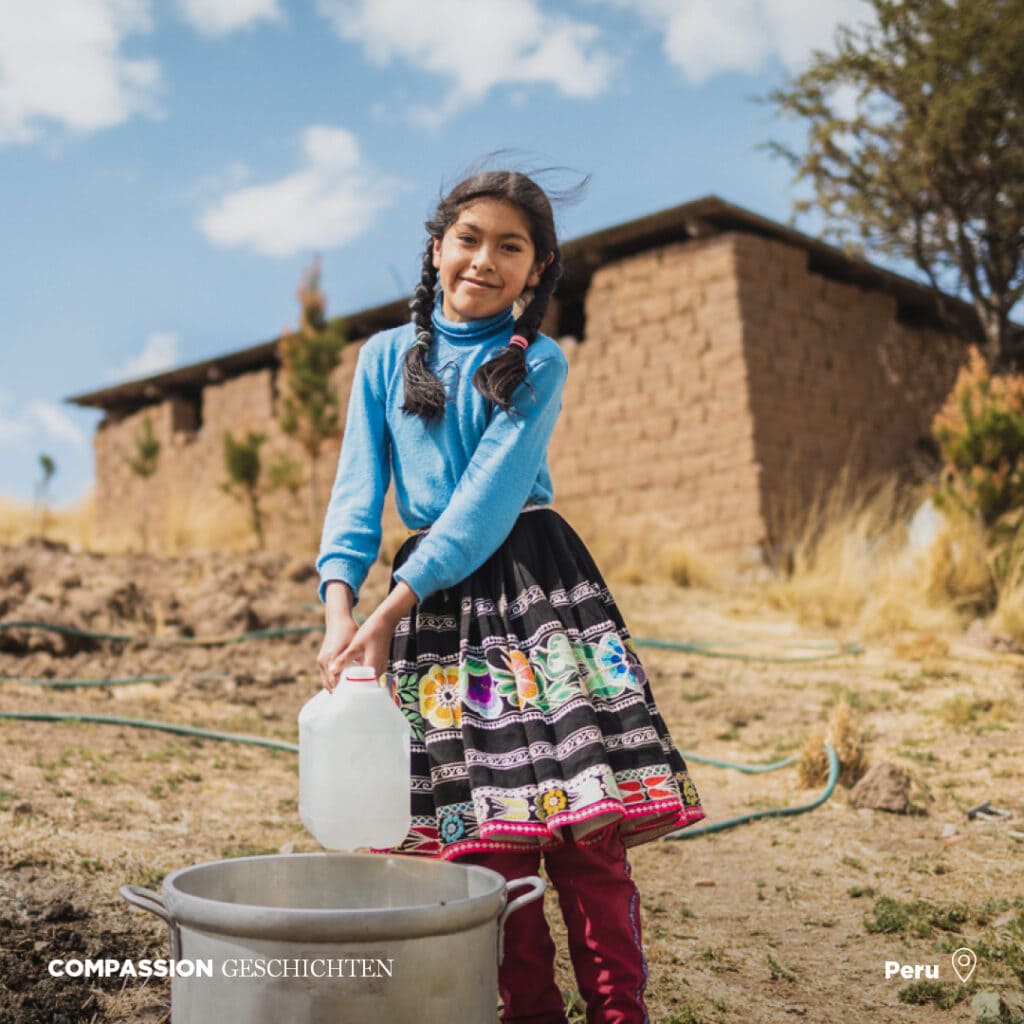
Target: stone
x,y
885,787
988,1007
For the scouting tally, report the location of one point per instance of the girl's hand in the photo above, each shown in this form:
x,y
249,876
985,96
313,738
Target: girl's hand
x,y
339,628
371,644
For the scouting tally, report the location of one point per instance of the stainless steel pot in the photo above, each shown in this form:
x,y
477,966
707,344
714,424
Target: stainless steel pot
x,y
335,939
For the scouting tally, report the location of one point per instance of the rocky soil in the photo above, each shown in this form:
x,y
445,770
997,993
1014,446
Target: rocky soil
x,y
787,918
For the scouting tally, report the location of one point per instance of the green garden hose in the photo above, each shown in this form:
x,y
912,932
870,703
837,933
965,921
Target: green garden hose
x,y
776,812
259,741
704,648
145,723
216,641
80,684
709,649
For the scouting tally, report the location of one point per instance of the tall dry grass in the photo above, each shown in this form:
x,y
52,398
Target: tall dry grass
x,y
1009,582
846,565
849,565
74,525
183,525
649,549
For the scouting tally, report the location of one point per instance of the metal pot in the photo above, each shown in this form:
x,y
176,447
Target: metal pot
x,y
334,939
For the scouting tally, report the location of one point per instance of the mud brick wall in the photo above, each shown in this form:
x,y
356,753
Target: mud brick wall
x,y
656,433
186,506
719,385
835,381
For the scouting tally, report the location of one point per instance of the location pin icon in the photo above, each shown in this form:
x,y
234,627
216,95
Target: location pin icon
x,y
964,962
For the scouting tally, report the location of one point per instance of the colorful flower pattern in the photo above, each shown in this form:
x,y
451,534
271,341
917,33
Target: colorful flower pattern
x,y
440,701
452,827
526,682
531,710
481,692
551,802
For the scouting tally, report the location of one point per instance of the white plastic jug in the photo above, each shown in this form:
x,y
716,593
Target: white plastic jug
x,y
354,765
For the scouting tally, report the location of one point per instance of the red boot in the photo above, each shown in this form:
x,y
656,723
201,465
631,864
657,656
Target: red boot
x,y
601,907
526,976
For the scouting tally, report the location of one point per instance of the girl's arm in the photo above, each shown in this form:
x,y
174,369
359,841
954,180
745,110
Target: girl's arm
x,y
493,488
352,527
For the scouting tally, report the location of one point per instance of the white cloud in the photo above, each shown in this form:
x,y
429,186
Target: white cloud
x,y
704,38
332,200
475,46
219,17
13,429
56,423
19,426
61,62
160,352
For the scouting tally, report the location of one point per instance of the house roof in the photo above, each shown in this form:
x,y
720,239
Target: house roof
x,y
580,257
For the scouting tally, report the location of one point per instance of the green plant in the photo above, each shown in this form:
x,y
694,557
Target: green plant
x,y
920,918
143,463
242,464
309,403
689,1015
284,474
48,467
938,993
980,432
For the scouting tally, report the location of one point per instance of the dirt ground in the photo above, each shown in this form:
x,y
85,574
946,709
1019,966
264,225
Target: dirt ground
x,y
785,918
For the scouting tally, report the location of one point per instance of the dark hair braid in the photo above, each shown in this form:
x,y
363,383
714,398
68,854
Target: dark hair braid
x,y
499,377
424,393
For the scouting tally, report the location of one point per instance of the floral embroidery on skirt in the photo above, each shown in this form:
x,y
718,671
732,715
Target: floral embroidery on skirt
x,y
530,710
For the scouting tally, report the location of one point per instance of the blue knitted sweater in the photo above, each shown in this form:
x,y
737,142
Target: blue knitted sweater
x,y
467,475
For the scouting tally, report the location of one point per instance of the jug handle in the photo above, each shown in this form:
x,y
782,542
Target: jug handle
x,y
146,899
537,886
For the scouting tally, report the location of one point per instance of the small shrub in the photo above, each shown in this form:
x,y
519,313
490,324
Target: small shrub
x,y
687,568
244,467
937,993
845,736
980,432
920,918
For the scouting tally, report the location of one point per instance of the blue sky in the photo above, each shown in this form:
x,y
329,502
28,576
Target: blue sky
x,y
168,167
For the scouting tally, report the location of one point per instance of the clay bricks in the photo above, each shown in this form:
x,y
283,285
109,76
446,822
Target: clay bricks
x,y
717,378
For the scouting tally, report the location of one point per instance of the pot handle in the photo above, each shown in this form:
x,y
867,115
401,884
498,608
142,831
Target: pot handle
x,y
537,886
146,899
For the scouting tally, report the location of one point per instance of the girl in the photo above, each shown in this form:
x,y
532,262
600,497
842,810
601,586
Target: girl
x,y
535,732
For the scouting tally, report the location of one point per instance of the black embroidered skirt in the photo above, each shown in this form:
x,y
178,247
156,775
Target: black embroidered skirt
x,y
530,710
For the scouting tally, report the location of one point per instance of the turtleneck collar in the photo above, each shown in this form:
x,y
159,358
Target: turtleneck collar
x,y
472,331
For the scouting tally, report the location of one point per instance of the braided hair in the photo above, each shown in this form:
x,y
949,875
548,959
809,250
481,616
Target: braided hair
x,y
498,378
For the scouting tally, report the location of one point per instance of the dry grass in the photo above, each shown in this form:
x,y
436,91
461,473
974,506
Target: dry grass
x,y
186,523
191,523
845,735
850,567
644,551
957,569
1008,618
74,525
739,927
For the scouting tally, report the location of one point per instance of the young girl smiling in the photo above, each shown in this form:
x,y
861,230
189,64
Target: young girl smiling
x,y
535,732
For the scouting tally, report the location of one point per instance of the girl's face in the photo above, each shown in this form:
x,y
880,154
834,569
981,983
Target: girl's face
x,y
485,260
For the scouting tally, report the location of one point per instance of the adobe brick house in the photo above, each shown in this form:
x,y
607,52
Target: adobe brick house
x,y
727,367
